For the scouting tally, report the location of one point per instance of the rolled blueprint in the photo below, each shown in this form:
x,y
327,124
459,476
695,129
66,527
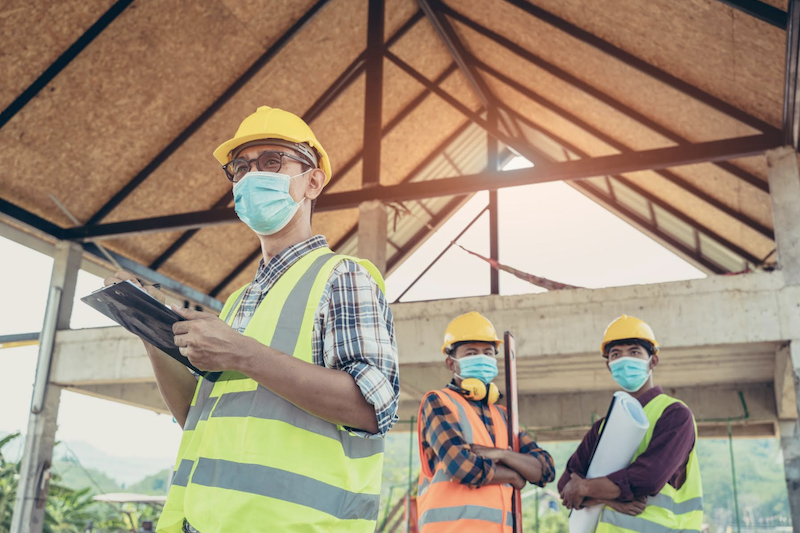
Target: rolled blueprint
x,y
623,431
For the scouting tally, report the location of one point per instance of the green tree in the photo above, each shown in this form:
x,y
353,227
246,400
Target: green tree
x,y
8,484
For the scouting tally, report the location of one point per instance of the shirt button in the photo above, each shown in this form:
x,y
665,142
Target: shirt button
x,y
247,313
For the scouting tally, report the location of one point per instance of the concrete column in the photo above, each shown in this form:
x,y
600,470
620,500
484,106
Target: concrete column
x,y
40,438
372,227
790,444
784,187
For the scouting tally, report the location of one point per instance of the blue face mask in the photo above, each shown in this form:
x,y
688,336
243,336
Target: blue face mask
x,y
482,367
262,201
631,373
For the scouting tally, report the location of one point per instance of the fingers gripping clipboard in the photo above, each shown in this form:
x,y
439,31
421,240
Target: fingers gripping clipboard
x,y
135,310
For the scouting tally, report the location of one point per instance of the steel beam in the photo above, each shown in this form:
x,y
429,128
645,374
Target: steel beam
x,y
790,91
760,10
373,95
63,60
29,219
494,245
655,159
456,48
643,66
611,141
190,130
592,91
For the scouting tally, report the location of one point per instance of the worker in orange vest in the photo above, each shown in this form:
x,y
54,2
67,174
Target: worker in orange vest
x,y
468,471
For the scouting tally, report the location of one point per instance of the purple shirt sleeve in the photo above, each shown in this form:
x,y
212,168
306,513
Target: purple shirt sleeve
x,y
579,462
665,459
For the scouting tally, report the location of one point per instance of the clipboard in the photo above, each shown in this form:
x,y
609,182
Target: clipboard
x,y
135,310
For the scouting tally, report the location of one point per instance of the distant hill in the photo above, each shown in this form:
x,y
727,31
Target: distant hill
x,y
157,484
111,473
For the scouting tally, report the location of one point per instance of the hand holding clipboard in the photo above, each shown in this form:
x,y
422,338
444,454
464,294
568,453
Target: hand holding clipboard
x,y
140,312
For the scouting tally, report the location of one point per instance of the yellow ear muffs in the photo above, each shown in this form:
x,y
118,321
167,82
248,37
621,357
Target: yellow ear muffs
x,y
474,389
494,394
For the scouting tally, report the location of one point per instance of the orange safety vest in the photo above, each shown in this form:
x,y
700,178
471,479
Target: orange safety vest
x,y
445,505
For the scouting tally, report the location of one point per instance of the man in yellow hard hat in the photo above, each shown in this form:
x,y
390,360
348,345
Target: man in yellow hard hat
x,y
467,468
285,432
660,490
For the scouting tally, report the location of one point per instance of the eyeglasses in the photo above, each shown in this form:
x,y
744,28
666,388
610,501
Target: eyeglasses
x,y
265,162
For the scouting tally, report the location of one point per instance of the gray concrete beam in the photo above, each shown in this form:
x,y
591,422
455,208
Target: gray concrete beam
x,y
143,395
100,355
720,310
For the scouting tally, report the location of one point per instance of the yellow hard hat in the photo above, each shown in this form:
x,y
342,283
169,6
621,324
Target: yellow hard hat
x,y
273,123
628,327
471,327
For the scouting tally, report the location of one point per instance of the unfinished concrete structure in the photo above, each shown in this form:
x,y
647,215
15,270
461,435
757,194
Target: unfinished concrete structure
x,y
679,117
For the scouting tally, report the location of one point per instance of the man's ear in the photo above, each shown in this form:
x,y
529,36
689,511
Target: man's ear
x,y
450,364
316,182
653,361
607,365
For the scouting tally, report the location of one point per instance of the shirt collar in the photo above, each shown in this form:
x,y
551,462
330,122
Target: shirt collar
x,y
645,398
270,272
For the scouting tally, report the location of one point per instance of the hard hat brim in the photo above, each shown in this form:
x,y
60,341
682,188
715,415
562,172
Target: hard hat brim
x,y
497,343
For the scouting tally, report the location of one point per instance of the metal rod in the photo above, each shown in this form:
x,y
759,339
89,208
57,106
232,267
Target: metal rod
x,y
46,342
453,44
373,95
494,245
733,479
77,223
411,432
790,104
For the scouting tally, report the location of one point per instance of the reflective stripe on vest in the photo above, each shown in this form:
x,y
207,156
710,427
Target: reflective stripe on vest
x,y
466,512
442,503
635,523
250,459
671,510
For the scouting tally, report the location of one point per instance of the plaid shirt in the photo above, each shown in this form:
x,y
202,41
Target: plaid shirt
x,y
444,441
353,328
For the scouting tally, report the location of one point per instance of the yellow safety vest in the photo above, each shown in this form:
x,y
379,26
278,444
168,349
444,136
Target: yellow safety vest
x,y
250,460
671,510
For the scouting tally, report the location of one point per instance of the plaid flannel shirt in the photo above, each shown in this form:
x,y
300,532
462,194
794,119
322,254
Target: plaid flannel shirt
x,y
444,441
353,328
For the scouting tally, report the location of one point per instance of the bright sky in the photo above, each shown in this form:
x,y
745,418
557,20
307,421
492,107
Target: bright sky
x,y
549,230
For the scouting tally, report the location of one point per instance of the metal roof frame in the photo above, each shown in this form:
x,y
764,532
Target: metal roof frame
x,y
439,13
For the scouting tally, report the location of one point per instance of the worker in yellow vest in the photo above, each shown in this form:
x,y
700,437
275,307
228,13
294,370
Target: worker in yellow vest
x,y
467,469
660,490
286,431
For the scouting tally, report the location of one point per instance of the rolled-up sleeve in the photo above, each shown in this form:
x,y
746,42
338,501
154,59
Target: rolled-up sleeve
x,y
359,338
